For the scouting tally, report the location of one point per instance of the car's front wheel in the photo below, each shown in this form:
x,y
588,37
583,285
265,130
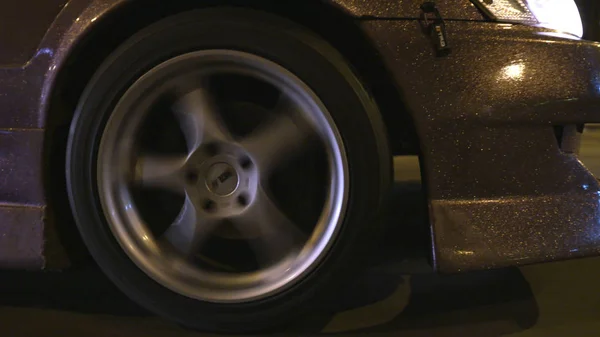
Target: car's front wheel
x,y
224,167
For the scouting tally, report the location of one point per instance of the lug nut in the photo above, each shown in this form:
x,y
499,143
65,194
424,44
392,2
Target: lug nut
x,y
209,206
245,163
191,177
242,200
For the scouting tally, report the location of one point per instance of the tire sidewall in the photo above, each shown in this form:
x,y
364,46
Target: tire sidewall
x,y
305,55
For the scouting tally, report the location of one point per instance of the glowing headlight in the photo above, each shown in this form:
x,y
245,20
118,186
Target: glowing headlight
x,y
560,15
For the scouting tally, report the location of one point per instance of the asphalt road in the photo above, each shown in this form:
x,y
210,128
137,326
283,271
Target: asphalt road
x,y
549,300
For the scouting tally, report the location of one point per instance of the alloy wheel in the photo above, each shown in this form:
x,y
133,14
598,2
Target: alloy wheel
x,y
221,179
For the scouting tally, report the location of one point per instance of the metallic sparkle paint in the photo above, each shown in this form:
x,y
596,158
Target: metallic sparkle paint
x,y
449,9
24,99
21,237
501,192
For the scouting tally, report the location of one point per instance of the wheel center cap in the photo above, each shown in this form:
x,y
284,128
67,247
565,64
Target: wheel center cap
x,y
222,179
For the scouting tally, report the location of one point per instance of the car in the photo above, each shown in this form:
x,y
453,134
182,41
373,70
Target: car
x,y
227,163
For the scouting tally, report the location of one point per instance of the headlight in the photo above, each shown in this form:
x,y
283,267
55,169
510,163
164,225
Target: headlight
x,y
560,15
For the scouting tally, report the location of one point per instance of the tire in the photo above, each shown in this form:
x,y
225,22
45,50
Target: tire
x,y
308,57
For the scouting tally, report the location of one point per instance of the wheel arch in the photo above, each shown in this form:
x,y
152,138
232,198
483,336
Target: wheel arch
x,y
335,25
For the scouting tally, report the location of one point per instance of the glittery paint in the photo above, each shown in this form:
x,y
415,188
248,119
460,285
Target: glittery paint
x,y
21,237
407,9
24,98
501,191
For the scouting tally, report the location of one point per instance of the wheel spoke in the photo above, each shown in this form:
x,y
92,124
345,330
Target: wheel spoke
x,y
160,172
279,236
199,119
279,139
189,230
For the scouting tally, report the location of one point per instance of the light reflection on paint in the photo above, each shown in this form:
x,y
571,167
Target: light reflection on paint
x,y
514,72
596,82
559,35
44,51
465,252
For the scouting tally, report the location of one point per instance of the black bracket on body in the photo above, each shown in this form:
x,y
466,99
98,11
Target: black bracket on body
x,y
435,27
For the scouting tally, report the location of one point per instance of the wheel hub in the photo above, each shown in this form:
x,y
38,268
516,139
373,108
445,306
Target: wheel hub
x,y
222,179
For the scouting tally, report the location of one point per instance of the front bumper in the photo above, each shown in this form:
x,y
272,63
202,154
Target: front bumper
x,y
501,191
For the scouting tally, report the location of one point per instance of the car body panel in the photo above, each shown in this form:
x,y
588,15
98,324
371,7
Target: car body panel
x,y
26,91
407,9
484,115
501,192
22,239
